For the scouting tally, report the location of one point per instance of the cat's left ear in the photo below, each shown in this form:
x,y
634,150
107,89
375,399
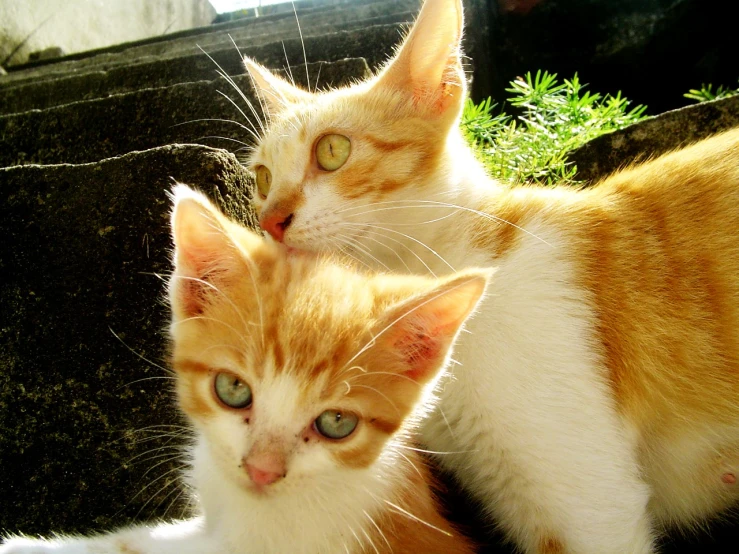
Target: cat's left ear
x,y
274,92
428,65
204,254
416,336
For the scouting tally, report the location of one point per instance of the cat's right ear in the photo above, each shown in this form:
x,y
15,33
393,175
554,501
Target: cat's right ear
x,y
204,253
274,92
427,67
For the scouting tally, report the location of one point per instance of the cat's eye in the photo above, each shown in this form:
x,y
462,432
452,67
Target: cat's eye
x,y
332,151
232,391
264,180
334,424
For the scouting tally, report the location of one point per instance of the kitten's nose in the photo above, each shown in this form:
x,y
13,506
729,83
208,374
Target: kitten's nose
x,y
275,224
267,474
265,467
262,476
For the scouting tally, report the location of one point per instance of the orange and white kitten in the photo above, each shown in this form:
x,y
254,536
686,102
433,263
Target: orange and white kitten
x,y
596,401
303,381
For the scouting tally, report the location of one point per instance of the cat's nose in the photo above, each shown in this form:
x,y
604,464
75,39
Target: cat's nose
x,y
264,475
276,224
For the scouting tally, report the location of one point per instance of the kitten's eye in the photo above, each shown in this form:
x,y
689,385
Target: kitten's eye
x,y
232,391
334,424
264,180
332,151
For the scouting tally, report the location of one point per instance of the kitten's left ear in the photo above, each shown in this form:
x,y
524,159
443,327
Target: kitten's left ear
x,y
204,253
274,92
428,65
417,335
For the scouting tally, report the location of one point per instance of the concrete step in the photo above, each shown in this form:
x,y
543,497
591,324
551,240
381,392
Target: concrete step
x,y
217,36
372,41
653,137
147,71
81,247
91,130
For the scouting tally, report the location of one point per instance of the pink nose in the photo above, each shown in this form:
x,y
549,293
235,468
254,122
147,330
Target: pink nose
x,y
263,476
275,224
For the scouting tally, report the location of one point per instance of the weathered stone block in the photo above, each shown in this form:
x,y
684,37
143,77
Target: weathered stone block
x,y
88,427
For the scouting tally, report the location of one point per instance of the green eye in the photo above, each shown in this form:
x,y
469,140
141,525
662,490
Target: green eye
x,y
264,180
332,151
334,424
232,391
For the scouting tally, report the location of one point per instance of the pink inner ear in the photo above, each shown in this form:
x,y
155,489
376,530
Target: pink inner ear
x,y
190,297
419,351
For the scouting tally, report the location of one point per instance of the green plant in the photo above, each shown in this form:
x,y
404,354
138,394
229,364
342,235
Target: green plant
x,y
555,118
706,93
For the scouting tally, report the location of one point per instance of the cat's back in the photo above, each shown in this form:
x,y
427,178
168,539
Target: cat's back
x,y
657,247
654,251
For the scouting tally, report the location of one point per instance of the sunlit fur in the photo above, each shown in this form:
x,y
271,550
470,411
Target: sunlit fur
x,y
307,335
596,401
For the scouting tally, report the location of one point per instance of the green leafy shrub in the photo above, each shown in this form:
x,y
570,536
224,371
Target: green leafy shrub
x,y
706,93
555,118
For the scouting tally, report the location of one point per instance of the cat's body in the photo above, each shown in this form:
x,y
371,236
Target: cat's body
x,y
303,383
597,397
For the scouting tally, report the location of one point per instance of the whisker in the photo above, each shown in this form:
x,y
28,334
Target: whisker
x,y
287,62
166,370
408,248
435,452
415,518
253,132
146,379
433,203
409,237
216,119
407,459
358,246
395,407
230,80
302,43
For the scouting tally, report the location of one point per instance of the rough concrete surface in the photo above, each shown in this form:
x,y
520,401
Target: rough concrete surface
x,y
87,131
106,79
650,138
81,410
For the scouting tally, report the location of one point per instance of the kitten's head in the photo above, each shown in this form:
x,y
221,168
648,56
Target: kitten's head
x,y
326,158
294,369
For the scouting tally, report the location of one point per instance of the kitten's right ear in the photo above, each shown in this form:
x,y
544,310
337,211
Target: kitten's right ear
x,y
275,93
417,335
204,253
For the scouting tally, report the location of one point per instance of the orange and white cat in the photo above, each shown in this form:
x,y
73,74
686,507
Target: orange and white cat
x,y
303,381
596,399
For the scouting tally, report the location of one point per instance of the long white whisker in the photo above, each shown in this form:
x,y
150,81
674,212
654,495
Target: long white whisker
x,y
395,407
358,246
389,248
166,370
415,518
230,80
289,71
254,133
408,248
302,43
433,203
409,237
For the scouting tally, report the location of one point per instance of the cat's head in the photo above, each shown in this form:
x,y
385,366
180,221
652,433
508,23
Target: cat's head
x,y
295,369
327,159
